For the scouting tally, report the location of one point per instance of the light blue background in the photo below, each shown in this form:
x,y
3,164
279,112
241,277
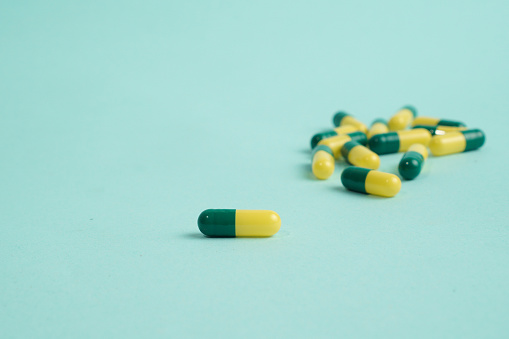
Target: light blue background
x,y
121,121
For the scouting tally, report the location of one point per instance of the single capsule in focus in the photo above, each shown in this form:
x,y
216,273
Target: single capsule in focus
x,y
364,180
411,164
456,142
333,132
323,162
436,122
358,155
439,130
379,126
238,223
335,143
403,118
399,141
343,118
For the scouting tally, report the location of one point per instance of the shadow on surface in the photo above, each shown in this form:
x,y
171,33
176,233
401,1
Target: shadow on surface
x,y
306,173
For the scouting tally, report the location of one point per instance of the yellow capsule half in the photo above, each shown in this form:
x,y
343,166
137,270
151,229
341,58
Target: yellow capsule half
x,y
379,126
403,118
323,162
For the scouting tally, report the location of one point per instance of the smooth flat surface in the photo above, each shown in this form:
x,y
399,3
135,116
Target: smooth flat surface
x,y
121,122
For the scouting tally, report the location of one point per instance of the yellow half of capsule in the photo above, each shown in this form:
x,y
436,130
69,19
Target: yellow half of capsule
x,y
421,149
349,120
413,136
401,120
346,129
363,157
335,143
382,184
256,223
425,121
377,128
449,143
323,165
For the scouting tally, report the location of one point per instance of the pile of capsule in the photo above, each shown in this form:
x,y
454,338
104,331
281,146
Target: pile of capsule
x,y
404,132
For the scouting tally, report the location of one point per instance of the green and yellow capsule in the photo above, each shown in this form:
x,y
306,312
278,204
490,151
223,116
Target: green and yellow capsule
x,y
333,132
456,142
436,122
358,155
440,130
411,164
335,143
403,118
379,126
399,141
323,162
238,223
368,181
343,118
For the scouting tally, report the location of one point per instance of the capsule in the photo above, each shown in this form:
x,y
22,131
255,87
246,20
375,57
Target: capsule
x,y
403,118
368,181
456,142
323,162
343,118
379,126
333,132
436,122
399,141
439,130
335,143
238,223
358,155
411,164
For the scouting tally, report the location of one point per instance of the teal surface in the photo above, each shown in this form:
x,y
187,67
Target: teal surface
x,y
120,122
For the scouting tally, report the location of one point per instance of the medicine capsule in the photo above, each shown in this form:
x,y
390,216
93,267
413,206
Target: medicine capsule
x,y
364,180
333,132
439,130
403,118
238,223
335,143
323,162
435,122
411,164
399,141
343,118
456,142
358,155
379,126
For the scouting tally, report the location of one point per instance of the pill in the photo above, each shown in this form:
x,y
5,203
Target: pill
x,y
435,122
439,130
335,143
399,141
412,161
343,118
379,126
369,181
238,223
403,118
456,142
358,155
333,132
323,162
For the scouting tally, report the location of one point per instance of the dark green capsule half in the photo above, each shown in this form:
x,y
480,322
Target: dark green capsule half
x,y
451,123
379,121
217,222
322,148
320,136
431,129
347,147
474,138
384,143
411,109
354,178
359,137
410,165
338,117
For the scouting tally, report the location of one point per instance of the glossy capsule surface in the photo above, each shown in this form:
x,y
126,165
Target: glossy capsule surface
x,y
368,181
435,122
323,161
402,118
335,143
333,132
379,126
412,161
456,142
399,141
439,130
358,155
343,118
238,223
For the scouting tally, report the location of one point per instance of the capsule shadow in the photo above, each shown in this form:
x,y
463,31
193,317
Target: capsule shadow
x,y
360,195
306,172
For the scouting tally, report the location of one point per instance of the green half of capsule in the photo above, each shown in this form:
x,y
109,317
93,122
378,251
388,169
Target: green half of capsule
x,y
431,129
338,117
451,123
411,165
385,143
